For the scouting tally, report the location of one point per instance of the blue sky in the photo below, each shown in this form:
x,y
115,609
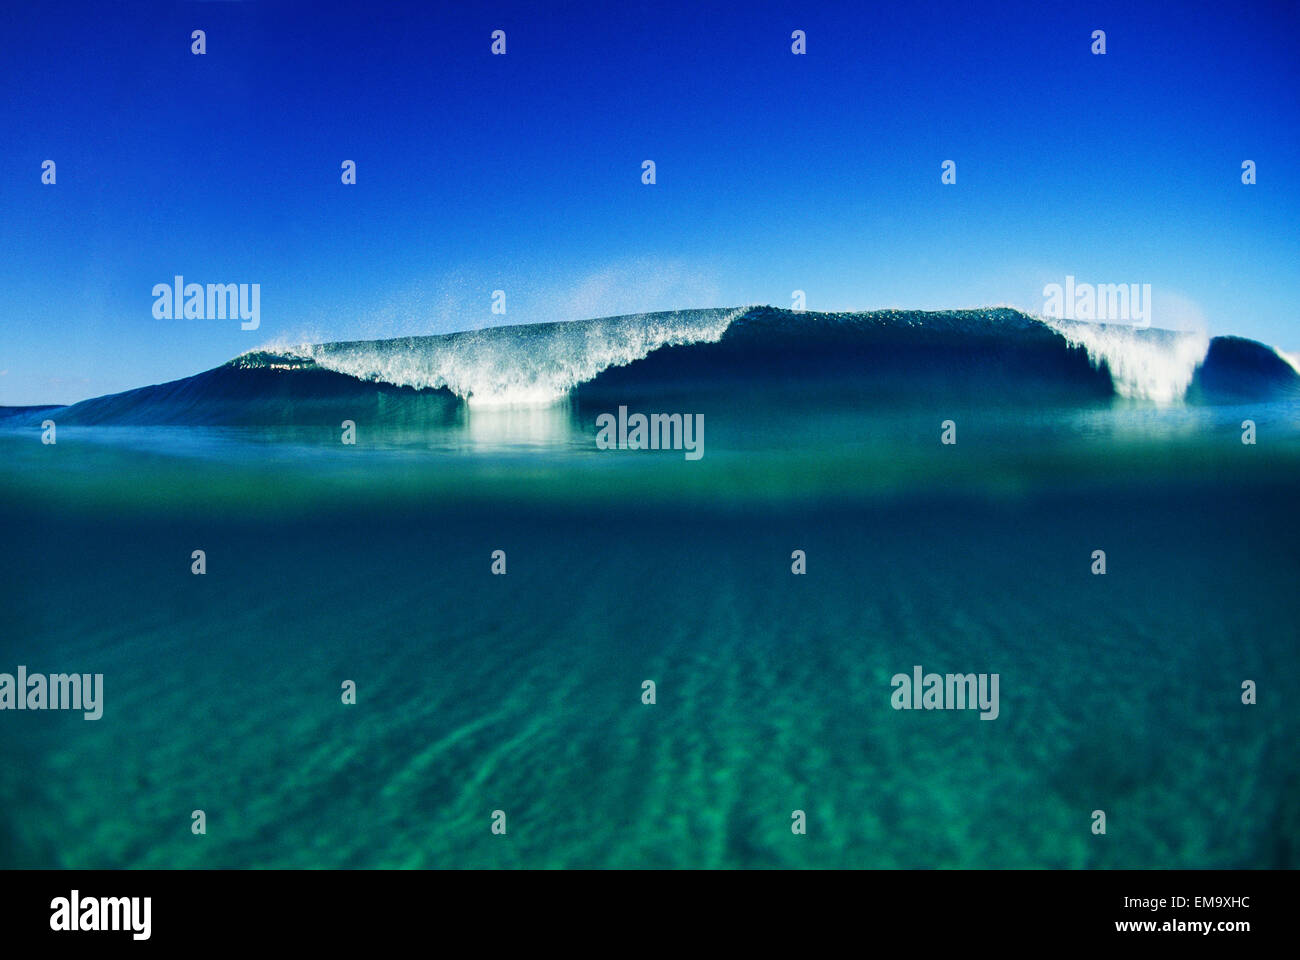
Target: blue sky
x,y
522,172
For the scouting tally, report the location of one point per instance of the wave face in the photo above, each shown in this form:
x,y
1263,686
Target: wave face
x,y
744,358
1237,370
883,358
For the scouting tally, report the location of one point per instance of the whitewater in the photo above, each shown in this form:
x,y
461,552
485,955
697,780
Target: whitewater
x,y
519,365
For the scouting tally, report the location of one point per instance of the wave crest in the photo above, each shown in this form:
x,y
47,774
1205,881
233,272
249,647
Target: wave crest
x,y
522,365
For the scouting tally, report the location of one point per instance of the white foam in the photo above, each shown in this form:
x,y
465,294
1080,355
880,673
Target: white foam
x,y
520,366
1155,365
1292,359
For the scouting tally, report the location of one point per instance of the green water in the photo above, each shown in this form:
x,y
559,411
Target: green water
x,y
523,692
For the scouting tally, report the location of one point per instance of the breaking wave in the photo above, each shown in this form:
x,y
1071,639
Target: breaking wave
x,y
746,359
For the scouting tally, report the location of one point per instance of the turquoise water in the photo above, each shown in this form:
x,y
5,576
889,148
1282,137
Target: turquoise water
x,y
522,692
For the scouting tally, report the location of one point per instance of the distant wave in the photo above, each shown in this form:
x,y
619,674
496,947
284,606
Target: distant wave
x,y
743,358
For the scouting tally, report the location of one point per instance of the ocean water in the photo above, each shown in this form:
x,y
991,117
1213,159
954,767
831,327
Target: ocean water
x,y
371,562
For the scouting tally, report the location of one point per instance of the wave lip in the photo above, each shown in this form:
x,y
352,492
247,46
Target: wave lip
x,y
520,365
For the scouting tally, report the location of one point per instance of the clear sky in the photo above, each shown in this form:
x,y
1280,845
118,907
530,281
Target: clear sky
x,y
522,172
